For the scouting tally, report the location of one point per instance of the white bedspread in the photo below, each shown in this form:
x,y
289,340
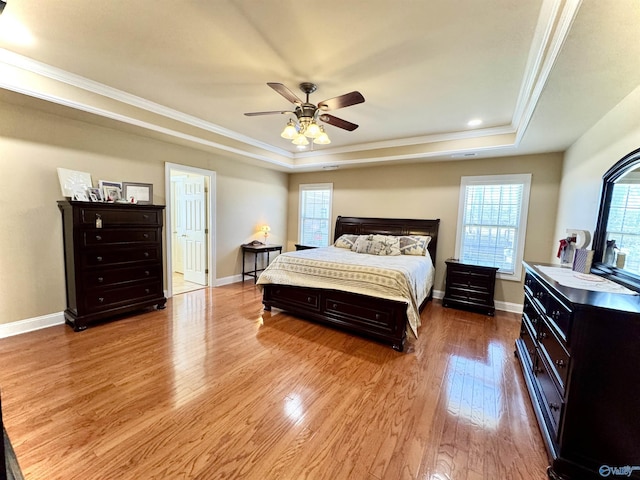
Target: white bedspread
x,y
406,278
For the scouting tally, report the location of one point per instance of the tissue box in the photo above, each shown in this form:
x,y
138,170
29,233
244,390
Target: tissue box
x,y
582,260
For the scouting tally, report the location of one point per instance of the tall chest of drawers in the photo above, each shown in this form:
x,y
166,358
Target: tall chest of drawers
x,y
580,355
113,260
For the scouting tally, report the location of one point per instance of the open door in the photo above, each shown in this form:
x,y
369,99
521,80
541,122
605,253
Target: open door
x,y
195,230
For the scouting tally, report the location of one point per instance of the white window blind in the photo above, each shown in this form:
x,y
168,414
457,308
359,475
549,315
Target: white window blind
x,y
492,219
315,214
624,221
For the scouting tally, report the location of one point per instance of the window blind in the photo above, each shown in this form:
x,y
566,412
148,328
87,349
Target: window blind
x,y
315,214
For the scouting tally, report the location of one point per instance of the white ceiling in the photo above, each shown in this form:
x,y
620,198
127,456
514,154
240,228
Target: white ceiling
x,y
539,73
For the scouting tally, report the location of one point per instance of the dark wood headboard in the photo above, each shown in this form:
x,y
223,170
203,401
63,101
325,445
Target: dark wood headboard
x,y
390,226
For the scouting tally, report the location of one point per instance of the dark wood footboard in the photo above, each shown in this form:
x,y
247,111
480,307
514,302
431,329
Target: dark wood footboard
x,y
376,318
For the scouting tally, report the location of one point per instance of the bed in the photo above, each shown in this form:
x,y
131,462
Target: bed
x,y
382,317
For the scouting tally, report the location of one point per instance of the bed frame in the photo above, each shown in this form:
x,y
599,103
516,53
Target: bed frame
x,y
376,318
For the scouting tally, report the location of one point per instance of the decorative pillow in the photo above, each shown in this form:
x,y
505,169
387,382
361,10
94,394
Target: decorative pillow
x,y
377,245
346,241
414,244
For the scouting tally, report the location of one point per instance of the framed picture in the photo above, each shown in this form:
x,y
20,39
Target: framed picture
x,y
80,195
137,192
95,195
72,182
108,183
111,193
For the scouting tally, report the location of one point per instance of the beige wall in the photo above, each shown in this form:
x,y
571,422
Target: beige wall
x,y
34,143
613,137
431,190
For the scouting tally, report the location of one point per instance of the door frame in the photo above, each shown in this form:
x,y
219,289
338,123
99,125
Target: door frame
x,y
210,201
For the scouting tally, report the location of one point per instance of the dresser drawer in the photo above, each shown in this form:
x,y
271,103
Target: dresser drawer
x,y
91,238
551,400
531,314
115,276
114,256
109,297
127,215
528,339
559,315
555,355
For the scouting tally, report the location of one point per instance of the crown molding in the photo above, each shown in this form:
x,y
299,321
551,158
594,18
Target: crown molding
x,y
553,25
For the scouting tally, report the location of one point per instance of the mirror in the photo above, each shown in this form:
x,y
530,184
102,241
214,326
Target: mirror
x,y
617,237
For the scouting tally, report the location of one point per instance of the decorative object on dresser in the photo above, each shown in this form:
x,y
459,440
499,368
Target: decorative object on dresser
x,y
470,287
381,319
113,260
257,248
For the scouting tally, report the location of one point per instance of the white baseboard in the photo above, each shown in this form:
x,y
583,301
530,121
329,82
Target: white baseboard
x,y
31,324
229,280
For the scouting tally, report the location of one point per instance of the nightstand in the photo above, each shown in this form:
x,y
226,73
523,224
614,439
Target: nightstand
x,y
256,250
470,287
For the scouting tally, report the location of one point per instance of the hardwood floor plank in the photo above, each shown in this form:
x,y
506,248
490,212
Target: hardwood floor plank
x,y
212,387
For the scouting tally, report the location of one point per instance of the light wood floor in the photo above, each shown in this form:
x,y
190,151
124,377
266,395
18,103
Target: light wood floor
x,y
180,285
213,388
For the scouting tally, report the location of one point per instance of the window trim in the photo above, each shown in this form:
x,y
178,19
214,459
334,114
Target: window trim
x,y
509,179
305,187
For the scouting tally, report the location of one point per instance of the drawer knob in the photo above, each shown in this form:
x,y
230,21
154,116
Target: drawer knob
x,y
378,316
100,299
146,290
145,235
335,306
147,273
100,279
145,216
99,259
146,254
309,299
560,363
543,335
98,237
554,406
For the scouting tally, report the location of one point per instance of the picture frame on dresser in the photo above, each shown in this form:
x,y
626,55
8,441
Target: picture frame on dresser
x,y
141,193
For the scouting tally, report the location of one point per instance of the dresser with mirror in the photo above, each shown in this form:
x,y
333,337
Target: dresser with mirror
x,y
579,344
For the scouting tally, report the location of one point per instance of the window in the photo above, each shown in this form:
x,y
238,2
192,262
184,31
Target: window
x,y
624,218
492,220
315,214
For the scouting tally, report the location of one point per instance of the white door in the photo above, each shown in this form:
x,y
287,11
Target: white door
x,y
177,221
195,247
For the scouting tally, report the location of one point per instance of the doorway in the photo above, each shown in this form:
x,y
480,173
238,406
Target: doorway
x,y
190,229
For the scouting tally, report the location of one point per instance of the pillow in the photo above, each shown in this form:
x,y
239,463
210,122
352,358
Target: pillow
x,y
377,245
346,241
414,244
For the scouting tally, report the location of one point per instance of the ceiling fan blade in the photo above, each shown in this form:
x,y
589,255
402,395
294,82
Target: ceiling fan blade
x,y
342,101
274,112
285,92
338,122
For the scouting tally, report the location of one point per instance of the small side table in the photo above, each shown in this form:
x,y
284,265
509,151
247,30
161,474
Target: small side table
x,y
257,249
470,287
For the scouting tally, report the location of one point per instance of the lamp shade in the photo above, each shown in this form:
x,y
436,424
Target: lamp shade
x,y
300,140
322,138
289,131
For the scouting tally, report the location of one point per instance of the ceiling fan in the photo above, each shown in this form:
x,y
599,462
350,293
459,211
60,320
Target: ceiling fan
x,y
308,114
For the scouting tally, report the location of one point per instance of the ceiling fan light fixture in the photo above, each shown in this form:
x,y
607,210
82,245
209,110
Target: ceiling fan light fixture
x,y
300,139
289,131
322,138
